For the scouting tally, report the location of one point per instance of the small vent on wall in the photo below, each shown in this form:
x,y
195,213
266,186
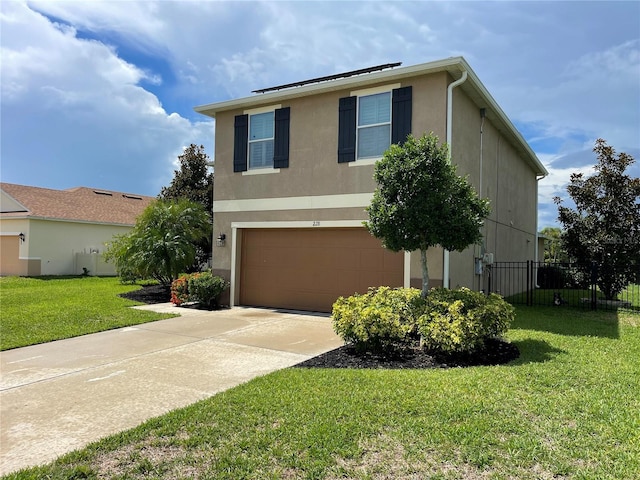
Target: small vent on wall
x,y
132,197
102,192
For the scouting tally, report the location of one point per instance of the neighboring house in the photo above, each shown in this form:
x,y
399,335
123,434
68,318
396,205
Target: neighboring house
x,y
294,173
60,232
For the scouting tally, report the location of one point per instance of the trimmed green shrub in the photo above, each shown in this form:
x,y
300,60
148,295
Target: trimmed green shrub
x,y
205,288
380,319
201,287
461,320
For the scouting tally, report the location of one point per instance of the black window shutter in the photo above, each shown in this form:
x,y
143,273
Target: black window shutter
x,y
281,138
400,114
240,143
347,130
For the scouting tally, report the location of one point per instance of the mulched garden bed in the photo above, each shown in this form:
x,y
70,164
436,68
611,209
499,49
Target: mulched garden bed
x,y
150,294
496,352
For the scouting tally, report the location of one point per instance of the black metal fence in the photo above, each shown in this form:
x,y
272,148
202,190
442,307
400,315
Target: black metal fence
x,y
540,283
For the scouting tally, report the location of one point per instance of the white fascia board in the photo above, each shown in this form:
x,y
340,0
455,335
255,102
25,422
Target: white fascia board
x,y
70,220
317,202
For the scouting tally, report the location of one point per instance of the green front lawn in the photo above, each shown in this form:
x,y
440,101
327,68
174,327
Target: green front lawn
x,y
38,310
568,408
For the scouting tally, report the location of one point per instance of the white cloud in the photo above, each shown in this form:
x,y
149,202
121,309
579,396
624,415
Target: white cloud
x,y
74,112
541,61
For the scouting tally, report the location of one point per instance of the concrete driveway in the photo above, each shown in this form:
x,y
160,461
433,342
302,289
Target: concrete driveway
x,y
60,396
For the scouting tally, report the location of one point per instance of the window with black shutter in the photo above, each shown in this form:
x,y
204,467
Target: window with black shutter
x,y
261,140
347,130
401,115
240,143
369,124
281,138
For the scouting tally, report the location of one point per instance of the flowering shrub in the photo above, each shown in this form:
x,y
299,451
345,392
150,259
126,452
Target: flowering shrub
x,y
180,290
202,287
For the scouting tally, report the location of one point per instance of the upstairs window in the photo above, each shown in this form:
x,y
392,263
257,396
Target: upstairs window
x,y
261,140
261,137
369,123
374,125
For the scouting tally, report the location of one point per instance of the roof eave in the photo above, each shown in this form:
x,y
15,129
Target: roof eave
x,y
454,66
451,65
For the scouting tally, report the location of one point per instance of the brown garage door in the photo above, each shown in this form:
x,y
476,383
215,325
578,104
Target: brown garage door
x,y
308,269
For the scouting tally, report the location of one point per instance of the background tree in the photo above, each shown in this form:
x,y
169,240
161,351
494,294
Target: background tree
x,y
553,248
162,244
605,226
193,181
421,202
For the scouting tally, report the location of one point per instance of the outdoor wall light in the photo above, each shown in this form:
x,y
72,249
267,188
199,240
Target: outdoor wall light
x,y
221,240
21,236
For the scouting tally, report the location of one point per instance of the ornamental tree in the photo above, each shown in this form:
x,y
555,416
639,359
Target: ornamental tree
x,y
194,182
421,202
604,228
162,244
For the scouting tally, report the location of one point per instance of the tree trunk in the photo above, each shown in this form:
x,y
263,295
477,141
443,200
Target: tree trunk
x,y
425,273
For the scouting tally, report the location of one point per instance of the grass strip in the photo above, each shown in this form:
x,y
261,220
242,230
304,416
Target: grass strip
x,y
42,309
567,408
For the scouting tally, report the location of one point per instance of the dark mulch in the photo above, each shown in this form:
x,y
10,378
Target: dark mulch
x,y
150,294
496,352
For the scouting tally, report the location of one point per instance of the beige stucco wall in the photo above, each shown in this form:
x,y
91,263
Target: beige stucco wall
x,y
313,167
508,182
54,245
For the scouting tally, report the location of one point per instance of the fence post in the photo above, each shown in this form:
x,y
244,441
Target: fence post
x,y
594,286
529,283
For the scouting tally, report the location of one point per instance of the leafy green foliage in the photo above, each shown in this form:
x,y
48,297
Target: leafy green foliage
x,y
378,319
205,288
201,287
554,251
605,226
447,321
163,242
194,182
461,320
421,202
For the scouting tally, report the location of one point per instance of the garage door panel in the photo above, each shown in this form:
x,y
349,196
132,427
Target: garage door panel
x,y
308,269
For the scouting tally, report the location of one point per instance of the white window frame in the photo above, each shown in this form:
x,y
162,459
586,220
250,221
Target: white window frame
x,y
365,93
265,169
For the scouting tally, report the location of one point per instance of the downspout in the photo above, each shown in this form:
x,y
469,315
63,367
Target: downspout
x,y
461,80
536,252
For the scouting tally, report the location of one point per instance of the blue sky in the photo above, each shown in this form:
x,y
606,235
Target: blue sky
x,y
101,94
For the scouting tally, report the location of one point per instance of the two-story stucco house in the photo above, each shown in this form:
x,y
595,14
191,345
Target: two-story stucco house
x,y
294,173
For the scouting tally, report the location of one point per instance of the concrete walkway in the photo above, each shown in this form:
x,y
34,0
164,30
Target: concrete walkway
x,y
60,396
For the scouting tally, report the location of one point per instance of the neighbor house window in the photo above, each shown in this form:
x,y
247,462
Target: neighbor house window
x,y
261,136
374,125
369,123
261,140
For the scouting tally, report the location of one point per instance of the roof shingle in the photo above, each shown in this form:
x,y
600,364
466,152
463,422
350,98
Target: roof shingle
x,y
75,204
